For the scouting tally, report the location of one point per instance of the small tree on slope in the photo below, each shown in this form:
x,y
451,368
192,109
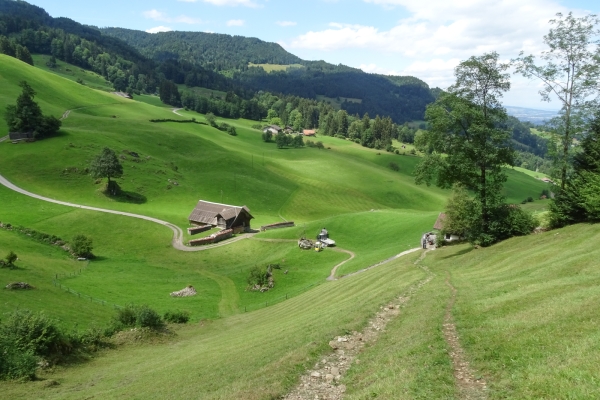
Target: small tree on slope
x,y
107,165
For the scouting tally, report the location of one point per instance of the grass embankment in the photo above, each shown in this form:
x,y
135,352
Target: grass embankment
x,y
527,316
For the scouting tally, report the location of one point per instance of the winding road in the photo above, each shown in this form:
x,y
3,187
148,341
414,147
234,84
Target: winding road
x,y
177,241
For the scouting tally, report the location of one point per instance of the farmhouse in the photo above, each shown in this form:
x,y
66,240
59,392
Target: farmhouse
x,y
439,225
274,129
309,132
222,216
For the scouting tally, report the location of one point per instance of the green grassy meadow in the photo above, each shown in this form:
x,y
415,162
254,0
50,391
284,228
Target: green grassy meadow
x,y
276,67
538,291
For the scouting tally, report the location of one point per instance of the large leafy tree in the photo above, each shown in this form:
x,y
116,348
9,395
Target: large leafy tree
x,y
579,199
570,72
466,142
107,165
26,115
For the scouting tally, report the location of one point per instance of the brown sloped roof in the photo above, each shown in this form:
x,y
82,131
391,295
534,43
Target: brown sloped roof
x,y
206,212
439,224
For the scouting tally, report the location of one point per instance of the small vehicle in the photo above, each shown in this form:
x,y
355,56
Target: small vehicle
x,y
323,237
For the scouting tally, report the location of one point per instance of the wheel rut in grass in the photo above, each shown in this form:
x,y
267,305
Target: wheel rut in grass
x,y
323,380
230,297
469,387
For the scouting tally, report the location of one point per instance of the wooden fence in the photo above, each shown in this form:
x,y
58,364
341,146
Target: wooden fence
x,y
277,225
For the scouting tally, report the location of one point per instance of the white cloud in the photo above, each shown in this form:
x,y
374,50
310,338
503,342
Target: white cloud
x,y
374,69
159,29
235,22
439,33
231,3
160,16
286,23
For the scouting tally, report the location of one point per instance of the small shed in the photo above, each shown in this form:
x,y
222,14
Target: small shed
x,y
21,136
222,216
439,225
309,132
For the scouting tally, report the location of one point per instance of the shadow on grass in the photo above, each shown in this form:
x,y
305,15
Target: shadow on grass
x,y
127,197
459,253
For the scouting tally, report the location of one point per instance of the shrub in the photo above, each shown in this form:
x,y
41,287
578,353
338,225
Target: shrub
x,y
177,317
32,332
319,145
258,276
394,166
11,257
137,316
530,199
126,316
81,246
148,318
267,136
231,130
16,363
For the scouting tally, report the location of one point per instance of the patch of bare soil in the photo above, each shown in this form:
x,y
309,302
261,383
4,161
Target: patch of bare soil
x,y
322,382
470,387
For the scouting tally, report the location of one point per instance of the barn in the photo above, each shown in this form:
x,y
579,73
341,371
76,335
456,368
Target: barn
x,y
219,215
21,136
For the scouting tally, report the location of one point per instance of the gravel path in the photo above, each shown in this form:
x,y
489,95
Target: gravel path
x,y
324,380
2,139
177,109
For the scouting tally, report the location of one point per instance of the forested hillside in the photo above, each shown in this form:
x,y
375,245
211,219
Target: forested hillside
x,y
401,98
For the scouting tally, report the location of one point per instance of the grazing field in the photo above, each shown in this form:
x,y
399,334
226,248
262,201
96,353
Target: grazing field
x,y
336,102
73,73
276,67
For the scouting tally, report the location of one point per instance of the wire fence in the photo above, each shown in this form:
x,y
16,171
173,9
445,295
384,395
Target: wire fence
x,y
57,283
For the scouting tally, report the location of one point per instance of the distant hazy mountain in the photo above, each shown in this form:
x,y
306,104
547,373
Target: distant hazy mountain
x,y
537,117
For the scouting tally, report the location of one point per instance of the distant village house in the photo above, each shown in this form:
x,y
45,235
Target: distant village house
x,y
222,216
274,129
309,132
439,225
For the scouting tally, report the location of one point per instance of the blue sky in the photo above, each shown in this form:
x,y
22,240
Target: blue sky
x,y
423,38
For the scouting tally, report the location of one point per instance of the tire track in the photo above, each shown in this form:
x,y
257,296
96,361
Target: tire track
x,y
469,387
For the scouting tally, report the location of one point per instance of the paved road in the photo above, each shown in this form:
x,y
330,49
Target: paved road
x,y
177,232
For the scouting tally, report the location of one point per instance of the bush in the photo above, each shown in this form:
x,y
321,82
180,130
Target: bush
x,y
81,246
394,166
148,318
33,332
530,199
137,316
267,136
258,276
177,317
15,363
231,130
